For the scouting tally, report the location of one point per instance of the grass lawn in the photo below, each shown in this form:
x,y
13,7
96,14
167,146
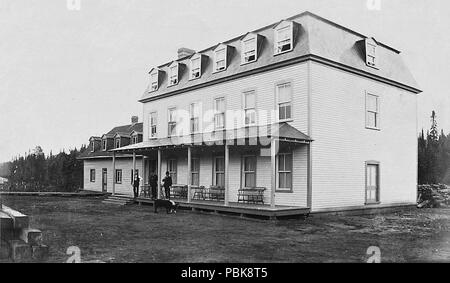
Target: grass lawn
x,y
135,234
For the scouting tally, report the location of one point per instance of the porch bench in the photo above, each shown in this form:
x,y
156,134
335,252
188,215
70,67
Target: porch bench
x,y
178,191
199,193
215,193
251,195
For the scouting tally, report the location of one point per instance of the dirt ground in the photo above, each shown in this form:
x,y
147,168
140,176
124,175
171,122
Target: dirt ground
x,y
134,233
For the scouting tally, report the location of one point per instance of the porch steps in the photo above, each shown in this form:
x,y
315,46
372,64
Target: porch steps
x,y
119,200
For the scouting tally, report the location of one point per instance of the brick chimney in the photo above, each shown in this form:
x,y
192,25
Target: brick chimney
x,y
134,119
184,52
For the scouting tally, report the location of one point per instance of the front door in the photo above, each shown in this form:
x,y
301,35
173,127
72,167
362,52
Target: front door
x,y
104,179
152,167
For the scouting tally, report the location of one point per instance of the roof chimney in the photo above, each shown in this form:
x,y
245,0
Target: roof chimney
x,y
184,52
134,119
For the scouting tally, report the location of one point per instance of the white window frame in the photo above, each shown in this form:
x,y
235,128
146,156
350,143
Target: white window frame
x,y
194,117
92,176
283,26
218,113
376,112
371,53
249,109
171,121
173,170
104,144
154,80
368,188
173,74
115,142
134,139
93,145
153,121
247,53
118,176
197,172
284,103
198,69
221,48
216,172
245,172
284,171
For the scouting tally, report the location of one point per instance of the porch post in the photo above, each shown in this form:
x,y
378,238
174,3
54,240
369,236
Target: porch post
x,y
114,173
134,171
189,174
159,174
144,172
273,175
227,175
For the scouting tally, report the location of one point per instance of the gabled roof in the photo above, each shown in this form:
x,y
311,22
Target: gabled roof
x,y
315,38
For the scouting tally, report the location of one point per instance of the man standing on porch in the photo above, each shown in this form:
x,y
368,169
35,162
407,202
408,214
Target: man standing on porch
x,y
136,182
167,183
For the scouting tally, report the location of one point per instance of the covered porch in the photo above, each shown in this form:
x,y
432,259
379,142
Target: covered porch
x,y
248,171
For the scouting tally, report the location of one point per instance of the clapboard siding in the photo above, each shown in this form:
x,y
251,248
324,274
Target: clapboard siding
x,y
264,84
126,164
342,144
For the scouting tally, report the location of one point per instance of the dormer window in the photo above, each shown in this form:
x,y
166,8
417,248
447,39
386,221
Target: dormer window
x,y
104,144
154,80
92,146
117,143
249,49
134,139
173,80
371,53
196,67
284,37
220,58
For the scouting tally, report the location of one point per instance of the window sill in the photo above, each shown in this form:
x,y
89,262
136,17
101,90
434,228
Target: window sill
x,y
373,128
246,63
193,79
172,85
285,120
219,71
280,53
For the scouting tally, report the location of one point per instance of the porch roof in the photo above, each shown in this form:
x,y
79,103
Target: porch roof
x,y
280,131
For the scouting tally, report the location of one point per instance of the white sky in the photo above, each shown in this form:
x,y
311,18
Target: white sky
x,y
67,75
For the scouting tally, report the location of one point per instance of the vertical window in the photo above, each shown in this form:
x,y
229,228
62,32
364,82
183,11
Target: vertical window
x,y
172,168
172,122
195,171
249,50
285,171
220,59
134,139
194,113
283,38
196,67
118,176
219,116
219,171
152,129
249,171
117,145
284,96
104,144
372,183
173,75
372,111
92,146
250,107
154,81
92,175
371,54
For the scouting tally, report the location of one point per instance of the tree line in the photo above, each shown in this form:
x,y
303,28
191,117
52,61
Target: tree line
x,y
37,172
434,155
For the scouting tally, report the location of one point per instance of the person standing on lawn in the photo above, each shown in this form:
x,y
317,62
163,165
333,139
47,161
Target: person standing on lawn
x,y
167,183
154,185
136,182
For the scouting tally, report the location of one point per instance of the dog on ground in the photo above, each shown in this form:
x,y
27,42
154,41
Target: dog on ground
x,y
169,205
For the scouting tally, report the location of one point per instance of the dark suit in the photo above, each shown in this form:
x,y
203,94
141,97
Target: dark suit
x,y
154,185
167,184
136,187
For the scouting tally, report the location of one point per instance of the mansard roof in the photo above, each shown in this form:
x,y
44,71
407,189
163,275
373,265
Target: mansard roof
x,y
315,38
